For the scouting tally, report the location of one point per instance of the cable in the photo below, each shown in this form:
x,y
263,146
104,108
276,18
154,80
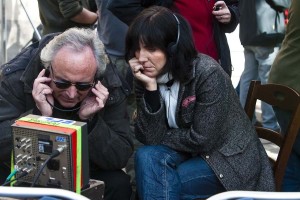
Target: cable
x,y
53,155
11,174
63,110
24,173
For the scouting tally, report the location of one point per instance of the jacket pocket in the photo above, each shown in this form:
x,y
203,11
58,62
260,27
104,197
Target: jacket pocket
x,y
188,109
235,146
243,158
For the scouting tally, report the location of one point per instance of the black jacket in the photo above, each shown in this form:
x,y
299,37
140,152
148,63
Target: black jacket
x,y
212,124
110,144
220,31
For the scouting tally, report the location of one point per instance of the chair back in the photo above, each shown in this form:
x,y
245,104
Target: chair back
x,y
284,98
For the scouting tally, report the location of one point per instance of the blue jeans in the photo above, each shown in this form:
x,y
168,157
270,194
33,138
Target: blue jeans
x,y
291,180
162,173
258,61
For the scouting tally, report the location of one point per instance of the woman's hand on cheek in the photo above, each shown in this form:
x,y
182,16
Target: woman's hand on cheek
x,y
137,70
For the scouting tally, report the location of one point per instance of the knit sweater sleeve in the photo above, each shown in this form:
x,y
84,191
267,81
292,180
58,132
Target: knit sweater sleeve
x,y
152,100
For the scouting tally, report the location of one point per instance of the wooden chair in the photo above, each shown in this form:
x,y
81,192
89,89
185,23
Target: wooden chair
x,y
284,98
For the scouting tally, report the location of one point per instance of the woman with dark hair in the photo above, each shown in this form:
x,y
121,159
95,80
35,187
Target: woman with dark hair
x,y
198,139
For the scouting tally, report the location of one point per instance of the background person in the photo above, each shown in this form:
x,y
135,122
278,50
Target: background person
x,y
198,139
210,21
80,85
262,29
59,15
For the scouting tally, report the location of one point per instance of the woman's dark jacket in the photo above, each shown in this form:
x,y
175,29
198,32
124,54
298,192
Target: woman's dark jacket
x,y
129,9
110,144
212,124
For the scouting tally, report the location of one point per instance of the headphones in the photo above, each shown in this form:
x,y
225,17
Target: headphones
x,y
47,72
172,47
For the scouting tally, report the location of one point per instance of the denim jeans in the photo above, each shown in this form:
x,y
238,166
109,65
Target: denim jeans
x,y
258,61
162,173
291,180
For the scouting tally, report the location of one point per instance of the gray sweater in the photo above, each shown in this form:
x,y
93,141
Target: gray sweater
x,y
212,124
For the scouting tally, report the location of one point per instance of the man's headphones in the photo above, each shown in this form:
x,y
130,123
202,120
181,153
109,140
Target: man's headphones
x,y
47,72
172,47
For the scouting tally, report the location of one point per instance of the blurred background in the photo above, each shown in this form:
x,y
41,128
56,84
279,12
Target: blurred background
x,y
20,17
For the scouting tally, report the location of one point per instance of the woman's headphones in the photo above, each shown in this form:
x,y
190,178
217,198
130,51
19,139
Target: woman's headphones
x,y
172,47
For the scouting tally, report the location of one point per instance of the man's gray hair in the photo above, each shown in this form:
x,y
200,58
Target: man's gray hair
x,y
77,39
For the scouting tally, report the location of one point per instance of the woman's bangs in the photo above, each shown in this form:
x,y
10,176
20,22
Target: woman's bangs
x,y
151,37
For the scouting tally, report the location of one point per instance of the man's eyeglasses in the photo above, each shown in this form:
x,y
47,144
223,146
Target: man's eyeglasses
x,y
62,84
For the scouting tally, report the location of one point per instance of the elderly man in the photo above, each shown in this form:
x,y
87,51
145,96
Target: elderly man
x,y
70,77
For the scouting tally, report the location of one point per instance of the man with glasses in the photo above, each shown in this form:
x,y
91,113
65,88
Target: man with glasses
x,y
70,77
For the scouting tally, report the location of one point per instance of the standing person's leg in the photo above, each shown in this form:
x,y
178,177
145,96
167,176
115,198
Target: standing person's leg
x,y
265,57
291,180
250,73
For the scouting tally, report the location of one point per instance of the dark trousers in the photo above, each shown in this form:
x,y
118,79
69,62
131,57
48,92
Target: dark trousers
x,y
117,184
4,172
